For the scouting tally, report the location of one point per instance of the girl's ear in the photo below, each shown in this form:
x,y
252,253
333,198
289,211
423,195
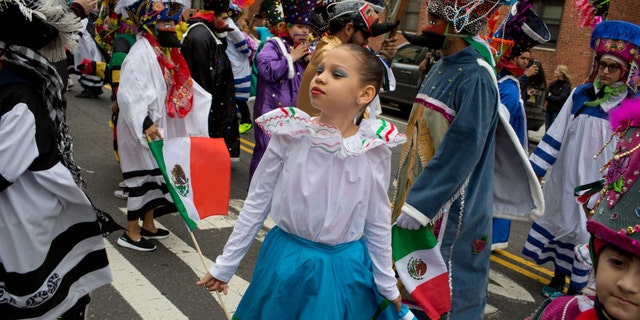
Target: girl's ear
x,y
367,94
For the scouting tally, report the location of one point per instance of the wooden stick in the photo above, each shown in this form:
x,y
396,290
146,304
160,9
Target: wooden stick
x,y
206,268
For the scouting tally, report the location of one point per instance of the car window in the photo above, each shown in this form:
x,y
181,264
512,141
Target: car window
x,y
408,54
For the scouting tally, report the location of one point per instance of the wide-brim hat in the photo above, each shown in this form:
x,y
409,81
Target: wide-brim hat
x,y
298,11
143,12
47,26
621,40
524,27
616,219
466,16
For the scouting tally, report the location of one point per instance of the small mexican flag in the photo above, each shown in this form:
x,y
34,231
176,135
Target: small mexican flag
x,y
421,268
197,171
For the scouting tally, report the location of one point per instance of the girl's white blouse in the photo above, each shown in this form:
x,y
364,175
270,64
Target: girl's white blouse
x,y
321,187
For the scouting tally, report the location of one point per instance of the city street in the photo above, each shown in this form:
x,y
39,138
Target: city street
x,y
161,284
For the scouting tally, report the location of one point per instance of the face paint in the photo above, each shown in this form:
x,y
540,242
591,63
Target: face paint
x,y
166,34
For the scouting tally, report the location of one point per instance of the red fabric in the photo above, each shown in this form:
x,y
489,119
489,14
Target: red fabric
x,y
176,73
514,69
588,315
204,15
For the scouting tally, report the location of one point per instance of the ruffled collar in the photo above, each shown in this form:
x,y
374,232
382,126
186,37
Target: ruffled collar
x,y
296,123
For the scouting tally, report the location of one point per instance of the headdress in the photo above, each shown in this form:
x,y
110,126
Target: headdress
x,y
466,16
620,40
46,26
298,11
273,11
343,12
616,218
143,12
216,5
524,28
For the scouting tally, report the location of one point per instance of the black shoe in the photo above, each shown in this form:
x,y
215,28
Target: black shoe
x,y
160,234
141,245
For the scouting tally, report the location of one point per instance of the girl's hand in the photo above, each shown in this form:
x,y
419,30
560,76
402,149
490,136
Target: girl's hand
x,y
153,133
299,52
397,302
213,284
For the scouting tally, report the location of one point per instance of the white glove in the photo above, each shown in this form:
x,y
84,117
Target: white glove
x,y
405,221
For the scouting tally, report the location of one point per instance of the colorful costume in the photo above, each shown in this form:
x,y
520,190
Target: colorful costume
x,y
278,76
523,29
568,149
316,258
446,176
142,99
51,250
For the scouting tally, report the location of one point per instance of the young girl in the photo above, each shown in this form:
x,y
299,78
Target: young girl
x,y
324,182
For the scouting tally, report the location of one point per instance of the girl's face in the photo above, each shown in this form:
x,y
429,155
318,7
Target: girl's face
x,y
299,30
336,85
618,283
609,72
557,73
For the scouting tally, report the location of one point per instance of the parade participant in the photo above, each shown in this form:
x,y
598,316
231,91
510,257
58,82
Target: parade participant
x,y
157,99
51,250
569,147
281,63
446,175
524,29
324,182
614,234
349,21
239,53
203,47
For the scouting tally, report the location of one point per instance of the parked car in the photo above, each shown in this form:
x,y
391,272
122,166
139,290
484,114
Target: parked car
x,y
408,77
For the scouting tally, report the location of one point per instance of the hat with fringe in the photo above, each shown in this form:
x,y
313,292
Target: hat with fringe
x,y
524,27
46,26
467,16
618,40
616,218
298,11
143,12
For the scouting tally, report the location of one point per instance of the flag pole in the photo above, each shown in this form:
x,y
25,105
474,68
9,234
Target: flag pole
x,y
204,263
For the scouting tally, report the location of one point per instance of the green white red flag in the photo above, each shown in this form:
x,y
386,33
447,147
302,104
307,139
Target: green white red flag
x,y
421,268
197,171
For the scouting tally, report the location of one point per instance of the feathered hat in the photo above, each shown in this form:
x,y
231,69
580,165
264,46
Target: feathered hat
x,y
47,26
143,12
616,218
467,16
524,27
298,11
618,40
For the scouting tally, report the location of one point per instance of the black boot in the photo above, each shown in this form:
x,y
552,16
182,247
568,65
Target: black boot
x,y
78,311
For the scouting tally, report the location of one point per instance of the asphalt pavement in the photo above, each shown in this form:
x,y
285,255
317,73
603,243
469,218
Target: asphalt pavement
x,y
161,284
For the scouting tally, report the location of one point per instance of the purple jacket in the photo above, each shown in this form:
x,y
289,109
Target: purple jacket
x,y
274,89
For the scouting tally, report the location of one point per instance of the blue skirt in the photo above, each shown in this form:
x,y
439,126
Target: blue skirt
x,y
295,278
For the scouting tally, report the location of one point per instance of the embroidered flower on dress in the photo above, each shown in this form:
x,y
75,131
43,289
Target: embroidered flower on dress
x,y
479,245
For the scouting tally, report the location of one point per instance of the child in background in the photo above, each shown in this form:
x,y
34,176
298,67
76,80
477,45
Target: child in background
x,y
615,234
324,181
280,65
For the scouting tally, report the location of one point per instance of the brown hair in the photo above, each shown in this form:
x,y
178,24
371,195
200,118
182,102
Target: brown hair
x,y
369,67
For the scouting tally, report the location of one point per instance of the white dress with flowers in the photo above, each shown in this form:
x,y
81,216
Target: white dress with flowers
x,y
324,192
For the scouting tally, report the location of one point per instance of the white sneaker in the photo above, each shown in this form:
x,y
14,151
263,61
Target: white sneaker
x,y
121,194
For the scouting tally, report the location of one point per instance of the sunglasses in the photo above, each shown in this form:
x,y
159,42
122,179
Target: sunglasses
x,y
612,67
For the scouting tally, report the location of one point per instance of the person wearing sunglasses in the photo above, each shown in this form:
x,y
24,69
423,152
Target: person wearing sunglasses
x,y
573,147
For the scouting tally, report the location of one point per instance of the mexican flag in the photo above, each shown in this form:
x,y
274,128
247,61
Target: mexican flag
x,y
422,271
197,171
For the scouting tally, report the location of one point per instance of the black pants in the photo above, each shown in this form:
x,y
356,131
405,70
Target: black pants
x,y
78,311
245,116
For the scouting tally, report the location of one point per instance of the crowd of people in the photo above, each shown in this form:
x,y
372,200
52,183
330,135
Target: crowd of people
x,y
321,166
